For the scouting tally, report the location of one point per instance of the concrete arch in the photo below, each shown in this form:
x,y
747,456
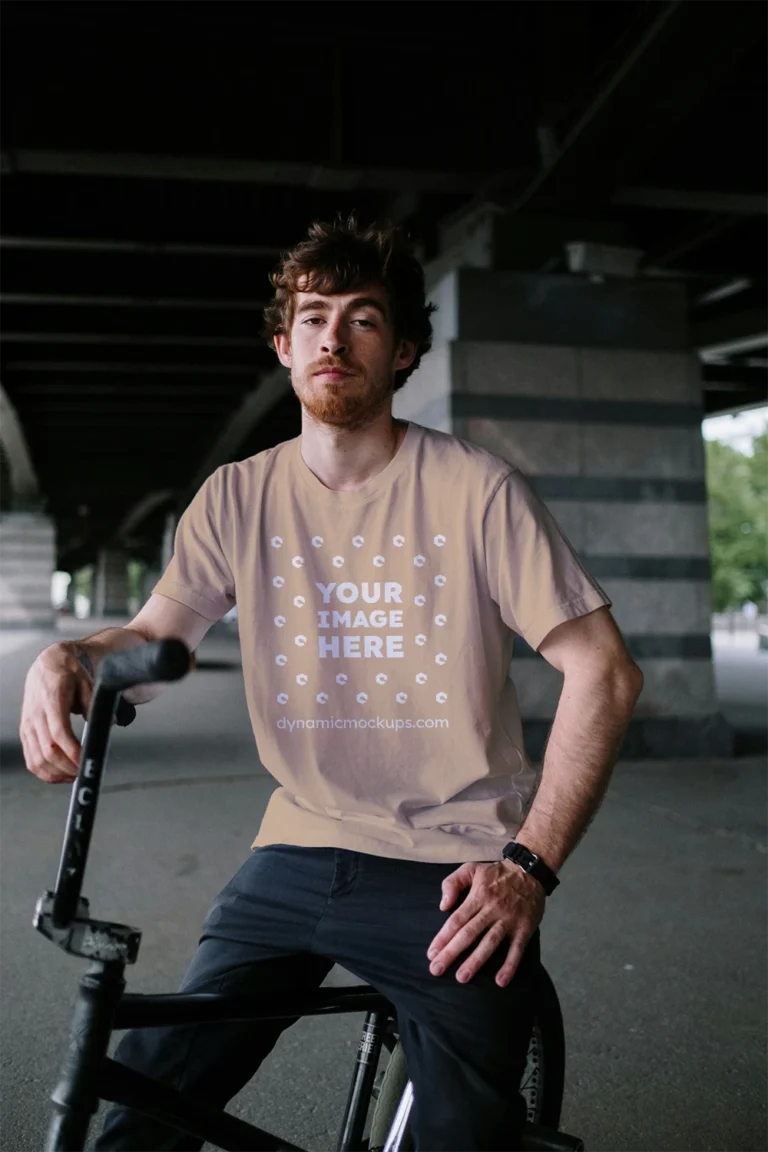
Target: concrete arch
x,y
6,497
141,509
24,479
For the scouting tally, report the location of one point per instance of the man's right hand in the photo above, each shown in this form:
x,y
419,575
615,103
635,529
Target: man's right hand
x,y
56,686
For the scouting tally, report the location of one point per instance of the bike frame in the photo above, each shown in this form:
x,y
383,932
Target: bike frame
x,y
89,1076
102,1006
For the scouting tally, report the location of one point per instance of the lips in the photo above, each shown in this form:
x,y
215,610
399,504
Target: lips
x,y
332,372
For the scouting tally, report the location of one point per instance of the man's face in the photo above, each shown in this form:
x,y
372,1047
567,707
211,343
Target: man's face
x,y
343,356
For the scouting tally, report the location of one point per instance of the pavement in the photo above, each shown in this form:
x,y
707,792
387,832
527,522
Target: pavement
x,y
655,939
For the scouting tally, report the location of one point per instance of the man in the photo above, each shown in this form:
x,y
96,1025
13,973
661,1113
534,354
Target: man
x,y
381,570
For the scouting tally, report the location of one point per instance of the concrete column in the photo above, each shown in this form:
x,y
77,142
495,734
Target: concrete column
x,y
150,578
69,603
110,584
6,484
27,563
590,389
169,537
154,571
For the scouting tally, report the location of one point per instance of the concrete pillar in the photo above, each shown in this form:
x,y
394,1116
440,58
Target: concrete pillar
x,y
110,584
27,563
590,388
169,537
6,481
69,603
154,571
148,581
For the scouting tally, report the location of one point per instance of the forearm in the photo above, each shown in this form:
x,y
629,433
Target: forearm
x,y
91,650
589,725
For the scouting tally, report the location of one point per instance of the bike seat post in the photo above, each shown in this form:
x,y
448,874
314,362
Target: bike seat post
x,y
366,1061
76,1096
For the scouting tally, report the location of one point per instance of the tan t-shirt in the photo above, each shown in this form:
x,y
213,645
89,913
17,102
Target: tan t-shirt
x,y
376,629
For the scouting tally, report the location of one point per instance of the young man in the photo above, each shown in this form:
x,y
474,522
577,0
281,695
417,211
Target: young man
x,y
381,570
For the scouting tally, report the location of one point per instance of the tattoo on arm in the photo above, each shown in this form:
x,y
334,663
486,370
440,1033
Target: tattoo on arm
x,y
83,659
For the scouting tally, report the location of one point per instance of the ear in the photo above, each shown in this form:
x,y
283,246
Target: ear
x,y
283,349
406,354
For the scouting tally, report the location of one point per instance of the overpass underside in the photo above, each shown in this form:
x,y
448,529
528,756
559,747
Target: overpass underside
x,y
590,207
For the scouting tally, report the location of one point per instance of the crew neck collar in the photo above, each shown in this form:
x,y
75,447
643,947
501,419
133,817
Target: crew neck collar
x,y
373,487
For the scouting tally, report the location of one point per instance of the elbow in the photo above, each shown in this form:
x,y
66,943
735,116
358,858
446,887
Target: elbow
x,y
632,681
621,678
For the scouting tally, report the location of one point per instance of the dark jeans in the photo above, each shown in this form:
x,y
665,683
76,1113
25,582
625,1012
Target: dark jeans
x,y
283,920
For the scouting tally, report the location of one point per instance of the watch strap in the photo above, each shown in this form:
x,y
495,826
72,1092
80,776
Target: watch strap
x,y
532,864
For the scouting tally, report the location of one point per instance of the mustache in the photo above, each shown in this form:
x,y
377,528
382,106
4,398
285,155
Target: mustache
x,y
326,367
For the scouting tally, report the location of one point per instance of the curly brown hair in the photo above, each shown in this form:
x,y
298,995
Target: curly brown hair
x,y
340,257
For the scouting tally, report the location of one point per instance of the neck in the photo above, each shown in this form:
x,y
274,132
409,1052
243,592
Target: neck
x,y
343,459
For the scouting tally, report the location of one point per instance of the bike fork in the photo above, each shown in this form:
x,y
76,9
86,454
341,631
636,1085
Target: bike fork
x,y
76,1097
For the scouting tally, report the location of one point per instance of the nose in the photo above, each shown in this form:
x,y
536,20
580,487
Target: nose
x,y
333,340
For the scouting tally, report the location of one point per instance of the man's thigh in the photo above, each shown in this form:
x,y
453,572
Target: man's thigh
x,y
254,942
465,1044
273,903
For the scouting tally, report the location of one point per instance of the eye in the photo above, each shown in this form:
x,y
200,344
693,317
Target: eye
x,y
311,319
368,323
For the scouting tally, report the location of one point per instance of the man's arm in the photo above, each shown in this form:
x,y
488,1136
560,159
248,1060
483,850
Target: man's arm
x,y
61,682
159,619
602,684
600,690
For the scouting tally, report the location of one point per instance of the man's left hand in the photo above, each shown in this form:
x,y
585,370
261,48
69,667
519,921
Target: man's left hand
x,y
504,903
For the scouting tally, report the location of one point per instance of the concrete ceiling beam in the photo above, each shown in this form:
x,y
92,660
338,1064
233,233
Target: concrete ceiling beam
x,y
338,178
678,199
135,247
650,94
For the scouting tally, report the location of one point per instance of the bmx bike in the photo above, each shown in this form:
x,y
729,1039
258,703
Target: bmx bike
x,y
102,1006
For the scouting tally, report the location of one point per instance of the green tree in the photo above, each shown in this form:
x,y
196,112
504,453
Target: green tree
x,y
758,467
82,581
136,569
758,470
738,523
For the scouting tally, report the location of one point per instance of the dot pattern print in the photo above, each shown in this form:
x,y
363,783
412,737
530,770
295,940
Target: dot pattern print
x,y
334,612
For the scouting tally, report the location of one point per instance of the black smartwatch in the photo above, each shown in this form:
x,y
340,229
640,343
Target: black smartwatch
x,y
532,863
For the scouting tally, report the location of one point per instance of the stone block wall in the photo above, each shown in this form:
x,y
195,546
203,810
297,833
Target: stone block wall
x,y
27,561
611,439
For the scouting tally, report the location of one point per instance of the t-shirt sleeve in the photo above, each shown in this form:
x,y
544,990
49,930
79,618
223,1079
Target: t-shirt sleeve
x,y
199,574
534,575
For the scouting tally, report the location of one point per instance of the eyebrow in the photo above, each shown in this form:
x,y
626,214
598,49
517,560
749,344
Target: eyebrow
x,y
358,302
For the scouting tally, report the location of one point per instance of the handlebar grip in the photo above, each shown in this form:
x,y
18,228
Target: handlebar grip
x,y
158,660
126,713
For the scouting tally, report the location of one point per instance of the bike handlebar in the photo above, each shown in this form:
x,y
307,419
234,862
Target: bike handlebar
x,y
158,660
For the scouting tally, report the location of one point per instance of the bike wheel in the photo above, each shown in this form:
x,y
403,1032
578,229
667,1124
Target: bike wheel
x,y
541,1084
391,1090
543,1079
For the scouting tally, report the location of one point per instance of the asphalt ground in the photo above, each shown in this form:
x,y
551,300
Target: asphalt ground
x,y
655,939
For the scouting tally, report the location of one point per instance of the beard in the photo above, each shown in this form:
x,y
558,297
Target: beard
x,y
351,404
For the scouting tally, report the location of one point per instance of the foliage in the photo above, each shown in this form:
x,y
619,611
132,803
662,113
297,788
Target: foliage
x,y
82,582
136,569
738,523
